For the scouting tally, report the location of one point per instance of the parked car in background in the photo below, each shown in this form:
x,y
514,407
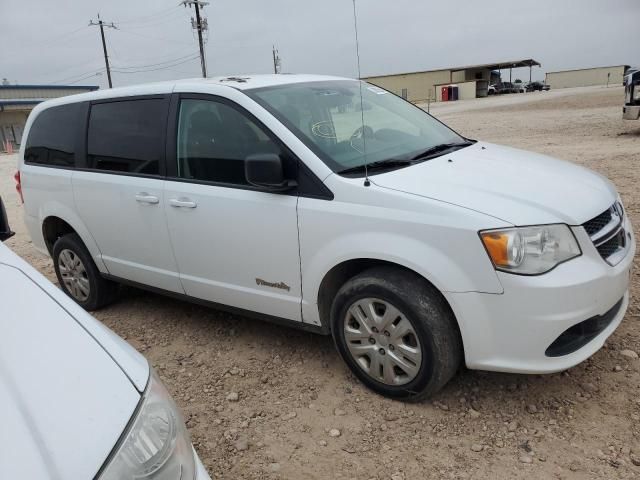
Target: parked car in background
x,y
506,87
78,402
520,87
631,108
537,86
491,90
415,247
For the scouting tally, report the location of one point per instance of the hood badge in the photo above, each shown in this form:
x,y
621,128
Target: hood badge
x,y
280,285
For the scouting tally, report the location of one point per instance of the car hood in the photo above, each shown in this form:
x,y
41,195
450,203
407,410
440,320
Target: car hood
x,y
65,401
516,186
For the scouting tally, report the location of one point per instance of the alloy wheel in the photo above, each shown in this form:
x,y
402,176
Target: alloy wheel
x,y
74,275
382,341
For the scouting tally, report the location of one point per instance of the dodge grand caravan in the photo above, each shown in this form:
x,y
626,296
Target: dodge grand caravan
x,y
336,206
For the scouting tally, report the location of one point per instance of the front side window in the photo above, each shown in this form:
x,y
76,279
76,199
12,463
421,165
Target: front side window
x,y
345,131
127,136
214,139
52,137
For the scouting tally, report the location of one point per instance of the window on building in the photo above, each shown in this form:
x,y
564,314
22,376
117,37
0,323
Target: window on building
x,y
214,139
52,138
127,136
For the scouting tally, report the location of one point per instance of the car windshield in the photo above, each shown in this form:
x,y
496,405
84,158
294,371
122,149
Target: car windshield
x,y
345,132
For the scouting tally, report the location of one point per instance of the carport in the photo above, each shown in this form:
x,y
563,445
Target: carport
x,y
482,73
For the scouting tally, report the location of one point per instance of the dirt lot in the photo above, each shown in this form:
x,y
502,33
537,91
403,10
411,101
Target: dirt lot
x,y
292,388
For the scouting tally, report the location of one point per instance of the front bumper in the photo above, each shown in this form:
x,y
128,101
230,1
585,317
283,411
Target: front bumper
x,y
631,112
512,331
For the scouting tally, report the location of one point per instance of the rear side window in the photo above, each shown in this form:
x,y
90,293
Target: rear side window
x,y
52,137
127,136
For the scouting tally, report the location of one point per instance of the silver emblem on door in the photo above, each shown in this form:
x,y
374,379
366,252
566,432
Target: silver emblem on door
x,y
280,285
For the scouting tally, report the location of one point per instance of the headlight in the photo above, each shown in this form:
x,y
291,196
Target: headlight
x,y
157,445
530,250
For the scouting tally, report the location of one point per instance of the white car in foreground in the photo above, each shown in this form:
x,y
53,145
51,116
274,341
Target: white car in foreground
x,y
335,206
77,401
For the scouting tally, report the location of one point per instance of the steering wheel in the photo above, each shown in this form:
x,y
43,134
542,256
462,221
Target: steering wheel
x,y
364,131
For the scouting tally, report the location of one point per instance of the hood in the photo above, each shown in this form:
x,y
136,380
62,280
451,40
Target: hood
x,y
519,187
65,401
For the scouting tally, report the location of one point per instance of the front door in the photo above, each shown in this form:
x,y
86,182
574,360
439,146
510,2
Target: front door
x,y
234,244
119,194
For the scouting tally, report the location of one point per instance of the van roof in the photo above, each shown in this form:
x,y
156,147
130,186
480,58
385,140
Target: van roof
x,y
239,82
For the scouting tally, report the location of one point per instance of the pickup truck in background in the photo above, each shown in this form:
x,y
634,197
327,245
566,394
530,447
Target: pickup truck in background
x,y
539,86
631,108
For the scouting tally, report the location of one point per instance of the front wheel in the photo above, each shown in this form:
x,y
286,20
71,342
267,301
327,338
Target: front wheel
x,y
396,333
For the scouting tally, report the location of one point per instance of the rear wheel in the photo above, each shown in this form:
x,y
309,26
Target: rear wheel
x,y
78,275
396,333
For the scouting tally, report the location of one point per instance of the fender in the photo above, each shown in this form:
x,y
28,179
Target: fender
x,y
54,208
434,265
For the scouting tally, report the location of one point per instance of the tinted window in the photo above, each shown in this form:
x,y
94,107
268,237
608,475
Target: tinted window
x,y
127,136
214,139
52,138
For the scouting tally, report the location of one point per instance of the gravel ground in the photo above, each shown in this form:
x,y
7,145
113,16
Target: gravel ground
x,y
263,401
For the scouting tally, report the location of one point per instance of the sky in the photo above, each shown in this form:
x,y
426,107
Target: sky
x,y
47,42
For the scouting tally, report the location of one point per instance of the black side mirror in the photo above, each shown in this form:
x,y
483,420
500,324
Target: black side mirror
x,y
5,231
265,170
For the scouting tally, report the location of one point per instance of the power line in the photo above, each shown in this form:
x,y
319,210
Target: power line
x,y
85,78
76,77
143,18
104,44
154,38
166,56
200,24
155,22
189,57
165,67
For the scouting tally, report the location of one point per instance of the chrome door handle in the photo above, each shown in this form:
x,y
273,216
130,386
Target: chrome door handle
x,y
144,197
182,203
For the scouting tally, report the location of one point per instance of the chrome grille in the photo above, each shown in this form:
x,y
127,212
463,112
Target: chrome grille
x,y
608,234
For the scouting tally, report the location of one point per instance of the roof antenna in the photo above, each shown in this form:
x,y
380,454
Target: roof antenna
x,y
364,139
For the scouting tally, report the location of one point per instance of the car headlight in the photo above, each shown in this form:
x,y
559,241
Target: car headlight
x,y
530,250
157,445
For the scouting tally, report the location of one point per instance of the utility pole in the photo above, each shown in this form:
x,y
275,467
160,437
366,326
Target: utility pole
x,y
200,25
277,65
104,44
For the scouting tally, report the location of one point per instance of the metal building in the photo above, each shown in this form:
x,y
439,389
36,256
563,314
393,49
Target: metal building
x,y
471,81
17,101
586,77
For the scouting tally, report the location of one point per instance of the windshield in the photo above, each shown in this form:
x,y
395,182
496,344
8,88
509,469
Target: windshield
x,y
328,117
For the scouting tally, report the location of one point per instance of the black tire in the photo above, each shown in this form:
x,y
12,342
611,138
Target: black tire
x,y
428,313
101,291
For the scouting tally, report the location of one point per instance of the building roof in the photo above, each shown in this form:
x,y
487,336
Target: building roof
x,y
88,88
30,101
528,62
589,68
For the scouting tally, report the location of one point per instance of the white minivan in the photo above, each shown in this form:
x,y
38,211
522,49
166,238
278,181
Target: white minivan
x,y
336,206
77,401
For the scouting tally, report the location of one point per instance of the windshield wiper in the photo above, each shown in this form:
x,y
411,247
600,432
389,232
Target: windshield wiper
x,y
387,164
439,149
